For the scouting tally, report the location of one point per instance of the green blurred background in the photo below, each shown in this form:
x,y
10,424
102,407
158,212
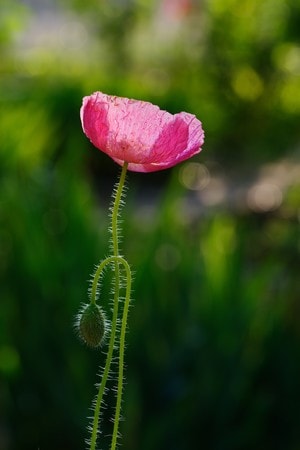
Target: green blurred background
x,y
213,356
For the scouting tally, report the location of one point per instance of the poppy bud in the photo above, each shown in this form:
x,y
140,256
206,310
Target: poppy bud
x,y
91,325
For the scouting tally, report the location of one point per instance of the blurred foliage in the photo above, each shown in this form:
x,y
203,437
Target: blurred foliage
x,y
214,343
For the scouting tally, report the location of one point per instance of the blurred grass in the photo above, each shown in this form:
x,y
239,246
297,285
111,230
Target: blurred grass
x,y
214,344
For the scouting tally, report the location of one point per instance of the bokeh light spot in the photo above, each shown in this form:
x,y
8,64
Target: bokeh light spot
x,y
289,95
287,58
194,176
247,84
215,193
264,197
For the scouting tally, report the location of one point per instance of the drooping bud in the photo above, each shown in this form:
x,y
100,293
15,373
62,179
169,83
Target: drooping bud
x,y
91,325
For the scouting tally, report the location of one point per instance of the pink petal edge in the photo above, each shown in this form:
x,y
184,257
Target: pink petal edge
x,y
148,138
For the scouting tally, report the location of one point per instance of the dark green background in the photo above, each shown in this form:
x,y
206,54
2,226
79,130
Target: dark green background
x,y
213,354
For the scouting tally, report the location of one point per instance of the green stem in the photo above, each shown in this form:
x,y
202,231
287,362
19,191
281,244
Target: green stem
x,y
115,211
121,356
116,258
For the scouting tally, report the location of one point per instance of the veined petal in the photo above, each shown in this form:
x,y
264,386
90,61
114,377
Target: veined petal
x,y
140,133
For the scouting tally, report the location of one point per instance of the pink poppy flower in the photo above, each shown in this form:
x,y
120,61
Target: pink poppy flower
x,y
140,133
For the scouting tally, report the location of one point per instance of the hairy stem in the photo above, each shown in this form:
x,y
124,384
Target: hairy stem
x,y
121,356
116,259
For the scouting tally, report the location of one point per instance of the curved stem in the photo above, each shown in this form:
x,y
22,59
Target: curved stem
x,y
116,259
